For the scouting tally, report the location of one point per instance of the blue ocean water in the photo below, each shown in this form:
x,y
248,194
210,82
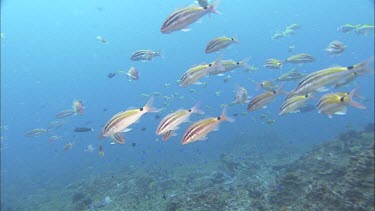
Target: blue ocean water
x,y
50,56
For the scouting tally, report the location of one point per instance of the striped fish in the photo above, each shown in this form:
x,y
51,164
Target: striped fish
x,y
230,65
291,76
273,64
300,58
66,113
144,55
197,72
336,103
317,81
122,120
36,132
293,104
173,120
180,19
199,130
262,100
219,43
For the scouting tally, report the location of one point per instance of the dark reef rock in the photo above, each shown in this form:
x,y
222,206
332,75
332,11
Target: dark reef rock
x,y
337,175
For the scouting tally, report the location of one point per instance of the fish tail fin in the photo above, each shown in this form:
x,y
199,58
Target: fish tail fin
x,y
362,67
281,91
148,107
101,135
195,109
244,62
224,116
352,102
212,7
217,63
119,138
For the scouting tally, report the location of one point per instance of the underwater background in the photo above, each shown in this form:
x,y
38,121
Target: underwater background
x,y
50,56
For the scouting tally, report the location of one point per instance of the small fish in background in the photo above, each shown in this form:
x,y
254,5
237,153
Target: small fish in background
x,y
220,43
133,74
100,151
53,139
277,36
68,146
144,55
266,85
347,28
273,64
82,129
101,39
292,75
335,48
89,148
180,19
111,75
294,26
78,107
65,113
36,132
242,95
134,144
299,58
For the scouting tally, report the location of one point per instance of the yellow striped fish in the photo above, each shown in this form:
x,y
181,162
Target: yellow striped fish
x,y
199,130
230,65
317,81
173,120
219,43
181,19
197,72
293,104
122,120
261,101
299,58
336,103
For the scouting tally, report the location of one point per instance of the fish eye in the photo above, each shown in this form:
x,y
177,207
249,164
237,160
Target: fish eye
x,y
218,118
350,67
274,92
209,65
307,95
141,109
237,63
189,110
232,38
342,99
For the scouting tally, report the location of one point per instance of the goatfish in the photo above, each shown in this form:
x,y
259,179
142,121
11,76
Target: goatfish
x,y
199,130
197,72
290,76
317,81
122,120
299,58
173,120
336,103
293,104
144,55
230,65
36,132
181,19
262,100
66,113
219,44
273,64
335,47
